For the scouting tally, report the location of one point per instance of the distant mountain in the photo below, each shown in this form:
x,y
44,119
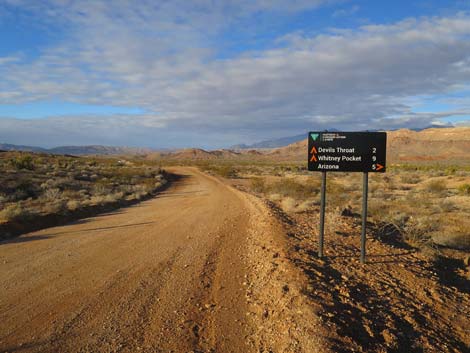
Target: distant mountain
x,y
280,142
10,147
285,141
78,150
98,149
405,145
200,154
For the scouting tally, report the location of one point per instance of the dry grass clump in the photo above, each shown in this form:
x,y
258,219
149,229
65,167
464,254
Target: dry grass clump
x,y
14,212
289,187
223,170
73,205
52,194
446,206
408,178
418,232
464,189
454,232
291,194
56,207
22,162
436,186
288,204
258,185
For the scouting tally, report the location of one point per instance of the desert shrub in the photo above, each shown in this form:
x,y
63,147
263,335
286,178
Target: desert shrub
x,y
447,206
288,204
14,212
379,209
450,170
410,178
52,194
288,187
304,206
456,239
82,177
48,184
418,231
96,200
63,183
227,172
388,183
258,185
58,206
23,162
464,189
275,197
73,205
436,186
454,231
59,182
18,195
135,196
100,189
27,189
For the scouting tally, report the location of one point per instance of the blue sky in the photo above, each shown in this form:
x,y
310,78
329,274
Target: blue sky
x,y
216,73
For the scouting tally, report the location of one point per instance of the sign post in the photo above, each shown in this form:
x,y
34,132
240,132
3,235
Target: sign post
x,y
365,190
346,152
322,215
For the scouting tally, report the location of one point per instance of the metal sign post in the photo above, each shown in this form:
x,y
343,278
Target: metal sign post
x,y
365,190
346,152
322,215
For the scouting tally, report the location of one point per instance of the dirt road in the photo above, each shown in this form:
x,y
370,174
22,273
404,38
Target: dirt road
x,y
173,274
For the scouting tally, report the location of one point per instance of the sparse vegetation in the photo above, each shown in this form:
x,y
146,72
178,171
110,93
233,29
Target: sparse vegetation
x,y
22,162
14,212
464,189
37,185
436,186
420,201
258,185
224,170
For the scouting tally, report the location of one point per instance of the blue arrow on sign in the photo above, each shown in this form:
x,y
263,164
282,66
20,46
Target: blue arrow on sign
x,y
314,136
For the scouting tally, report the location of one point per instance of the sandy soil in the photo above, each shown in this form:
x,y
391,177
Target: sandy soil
x,y
401,300
199,268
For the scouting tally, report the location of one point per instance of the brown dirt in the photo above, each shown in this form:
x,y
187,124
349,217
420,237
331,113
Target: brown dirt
x,y
401,300
199,268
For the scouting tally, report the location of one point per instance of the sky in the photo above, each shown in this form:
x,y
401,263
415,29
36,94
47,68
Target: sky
x,y
210,74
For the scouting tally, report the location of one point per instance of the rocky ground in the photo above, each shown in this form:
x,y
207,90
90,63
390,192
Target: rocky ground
x,y
401,300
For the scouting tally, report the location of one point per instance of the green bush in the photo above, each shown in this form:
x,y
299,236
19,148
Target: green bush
x,y
464,189
23,162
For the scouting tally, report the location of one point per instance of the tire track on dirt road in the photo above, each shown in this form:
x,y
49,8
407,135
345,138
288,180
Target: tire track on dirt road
x,y
185,271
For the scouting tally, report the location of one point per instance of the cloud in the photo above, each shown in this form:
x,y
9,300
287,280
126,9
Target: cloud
x,y
346,12
149,56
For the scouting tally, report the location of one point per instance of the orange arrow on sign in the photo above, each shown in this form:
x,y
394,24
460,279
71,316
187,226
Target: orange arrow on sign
x,y
314,150
379,166
313,158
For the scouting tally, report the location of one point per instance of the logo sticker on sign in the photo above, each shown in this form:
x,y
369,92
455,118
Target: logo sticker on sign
x,y
347,151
